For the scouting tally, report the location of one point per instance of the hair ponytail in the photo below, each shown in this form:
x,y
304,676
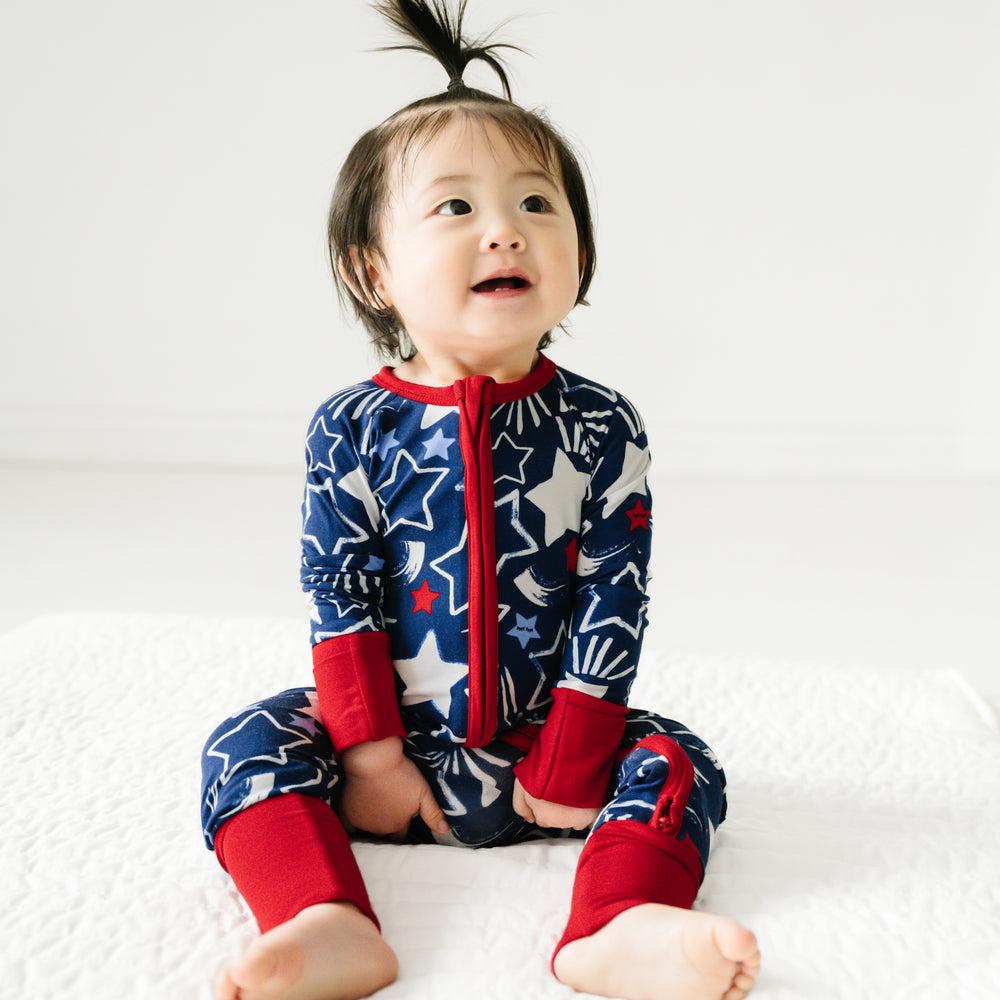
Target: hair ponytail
x,y
438,33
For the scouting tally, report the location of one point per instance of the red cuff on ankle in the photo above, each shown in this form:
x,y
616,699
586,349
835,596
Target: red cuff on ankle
x,y
287,853
626,863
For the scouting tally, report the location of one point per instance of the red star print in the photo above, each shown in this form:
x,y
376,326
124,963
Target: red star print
x,y
423,598
572,551
639,516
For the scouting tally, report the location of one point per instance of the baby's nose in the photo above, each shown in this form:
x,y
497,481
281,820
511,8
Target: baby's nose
x,y
502,235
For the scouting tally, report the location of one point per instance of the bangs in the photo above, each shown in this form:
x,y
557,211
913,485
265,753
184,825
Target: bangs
x,y
409,131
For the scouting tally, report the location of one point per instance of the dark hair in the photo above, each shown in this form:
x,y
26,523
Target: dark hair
x,y
362,189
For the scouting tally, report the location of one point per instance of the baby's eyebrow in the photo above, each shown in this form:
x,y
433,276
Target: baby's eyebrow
x,y
447,179
540,175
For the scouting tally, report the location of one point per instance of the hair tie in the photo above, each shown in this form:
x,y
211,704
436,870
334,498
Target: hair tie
x,y
455,81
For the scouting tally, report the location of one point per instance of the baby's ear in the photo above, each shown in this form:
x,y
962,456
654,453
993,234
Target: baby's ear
x,y
362,273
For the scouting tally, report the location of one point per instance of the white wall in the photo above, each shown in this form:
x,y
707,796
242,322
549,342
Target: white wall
x,y
799,223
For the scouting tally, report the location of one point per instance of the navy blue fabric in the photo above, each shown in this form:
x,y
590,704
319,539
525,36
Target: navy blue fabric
x,y
385,547
278,745
385,543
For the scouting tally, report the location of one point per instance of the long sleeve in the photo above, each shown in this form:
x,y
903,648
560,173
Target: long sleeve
x,y
342,572
572,757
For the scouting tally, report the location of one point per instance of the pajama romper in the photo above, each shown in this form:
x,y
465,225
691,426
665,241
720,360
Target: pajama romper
x,y
476,562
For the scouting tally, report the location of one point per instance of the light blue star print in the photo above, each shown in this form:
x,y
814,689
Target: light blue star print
x,y
438,445
524,630
386,443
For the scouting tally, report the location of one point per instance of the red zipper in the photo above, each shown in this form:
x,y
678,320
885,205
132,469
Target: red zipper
x,y
475,397
669,813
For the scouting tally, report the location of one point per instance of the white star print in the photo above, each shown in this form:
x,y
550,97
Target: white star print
x,y
417,485
461,560
591,621
504,446
514,499
541,659
279,757
429,677
314,495
632,480
321,451
560,498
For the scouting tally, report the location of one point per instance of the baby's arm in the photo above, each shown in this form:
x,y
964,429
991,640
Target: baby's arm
x,y
383,791
571,761
342,569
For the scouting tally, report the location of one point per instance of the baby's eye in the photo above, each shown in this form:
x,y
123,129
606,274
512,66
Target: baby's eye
x,y
535,203
454,206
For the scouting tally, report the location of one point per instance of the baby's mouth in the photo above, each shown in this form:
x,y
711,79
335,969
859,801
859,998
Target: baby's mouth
x,y
501,284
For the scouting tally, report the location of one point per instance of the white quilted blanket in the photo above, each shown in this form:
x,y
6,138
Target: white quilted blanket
x,y
862,844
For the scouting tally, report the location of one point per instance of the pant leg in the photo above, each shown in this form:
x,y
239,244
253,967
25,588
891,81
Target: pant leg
x,y
270,788
265,750
651,842
656,755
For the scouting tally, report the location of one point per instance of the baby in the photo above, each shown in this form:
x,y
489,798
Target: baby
x,y
475,547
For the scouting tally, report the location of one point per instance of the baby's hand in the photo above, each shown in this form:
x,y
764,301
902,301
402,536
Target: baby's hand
x,y
551,814
383,791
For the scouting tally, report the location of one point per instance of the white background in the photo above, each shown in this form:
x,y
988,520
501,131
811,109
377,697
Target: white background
x,y
798,259
797,202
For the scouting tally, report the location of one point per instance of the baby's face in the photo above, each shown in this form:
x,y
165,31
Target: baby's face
x,y
480,248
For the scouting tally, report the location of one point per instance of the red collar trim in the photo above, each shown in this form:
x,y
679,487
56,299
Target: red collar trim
x,y
506,392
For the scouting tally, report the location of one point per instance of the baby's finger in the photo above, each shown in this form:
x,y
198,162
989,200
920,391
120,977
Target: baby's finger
x,y
431,814
520,804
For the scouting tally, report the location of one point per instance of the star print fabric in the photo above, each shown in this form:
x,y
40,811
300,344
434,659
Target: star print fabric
x,y
269,748
279,746
498,533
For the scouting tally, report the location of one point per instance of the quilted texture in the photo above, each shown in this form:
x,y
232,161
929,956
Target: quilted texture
x,y
861,846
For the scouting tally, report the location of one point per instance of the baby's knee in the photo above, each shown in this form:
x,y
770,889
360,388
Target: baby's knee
x,y
671,785
266,749
287,720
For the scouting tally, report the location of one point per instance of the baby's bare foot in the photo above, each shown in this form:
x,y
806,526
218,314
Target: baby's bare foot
x,y
655,952
327,952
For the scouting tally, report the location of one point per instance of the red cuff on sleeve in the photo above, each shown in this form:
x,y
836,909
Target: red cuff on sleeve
x,y
357,689
571,761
